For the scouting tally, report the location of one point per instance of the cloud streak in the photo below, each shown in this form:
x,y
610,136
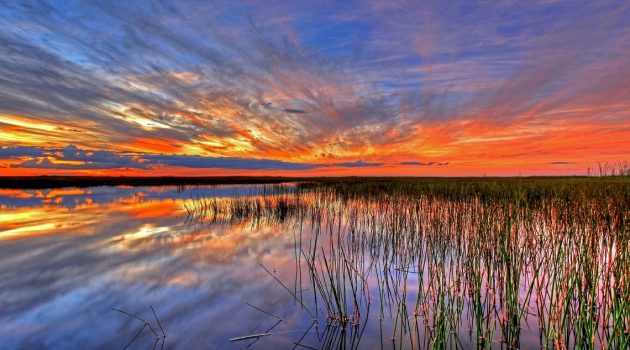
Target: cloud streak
x,y
424,163
72,157
299,83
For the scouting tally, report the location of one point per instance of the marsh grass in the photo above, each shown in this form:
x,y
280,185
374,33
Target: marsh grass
x,y
159,337
453,262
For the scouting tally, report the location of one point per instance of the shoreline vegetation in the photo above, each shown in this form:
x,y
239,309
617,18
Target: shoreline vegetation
x,y
431,262
438,262
49,182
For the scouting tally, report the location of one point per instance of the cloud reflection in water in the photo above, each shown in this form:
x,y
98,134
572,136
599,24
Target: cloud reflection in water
x,y
66,264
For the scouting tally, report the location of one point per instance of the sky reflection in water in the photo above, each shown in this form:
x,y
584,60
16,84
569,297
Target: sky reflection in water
x,y
70,255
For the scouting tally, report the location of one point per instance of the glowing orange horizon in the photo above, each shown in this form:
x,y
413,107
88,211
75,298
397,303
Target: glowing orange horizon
x,y
470,148
541,91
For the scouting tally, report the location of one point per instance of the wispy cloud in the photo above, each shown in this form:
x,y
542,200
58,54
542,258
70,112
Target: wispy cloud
x,y
423,163
72,157
301,83
357,164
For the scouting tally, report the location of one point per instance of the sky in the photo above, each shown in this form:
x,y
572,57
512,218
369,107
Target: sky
x,y
313,88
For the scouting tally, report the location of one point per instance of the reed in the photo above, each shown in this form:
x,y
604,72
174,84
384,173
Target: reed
x,y
488,258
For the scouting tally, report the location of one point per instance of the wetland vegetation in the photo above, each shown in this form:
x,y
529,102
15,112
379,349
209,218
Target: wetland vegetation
x,y
454,263
349,263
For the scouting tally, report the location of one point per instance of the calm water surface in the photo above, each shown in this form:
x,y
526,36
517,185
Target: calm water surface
x,y
71,255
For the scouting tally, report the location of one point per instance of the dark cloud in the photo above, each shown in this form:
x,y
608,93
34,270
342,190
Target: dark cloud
x,y
21,151
423,163
561,163
224,162
43,158
67,158
294,111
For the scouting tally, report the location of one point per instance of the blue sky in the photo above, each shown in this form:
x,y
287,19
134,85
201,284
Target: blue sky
x,y
475,84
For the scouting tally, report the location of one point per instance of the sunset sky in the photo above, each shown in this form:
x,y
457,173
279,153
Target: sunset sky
x,y
313,87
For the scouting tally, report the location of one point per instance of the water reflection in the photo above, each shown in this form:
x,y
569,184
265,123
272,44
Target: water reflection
x,y
76,197
66,262
269,268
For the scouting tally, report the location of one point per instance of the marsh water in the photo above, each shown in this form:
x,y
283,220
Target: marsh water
x,y
231,267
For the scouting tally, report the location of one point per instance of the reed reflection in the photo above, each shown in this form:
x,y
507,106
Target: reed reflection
x,y
446,269
63,269
337,265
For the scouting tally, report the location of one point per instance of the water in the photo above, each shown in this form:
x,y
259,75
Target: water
x,y
71,255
